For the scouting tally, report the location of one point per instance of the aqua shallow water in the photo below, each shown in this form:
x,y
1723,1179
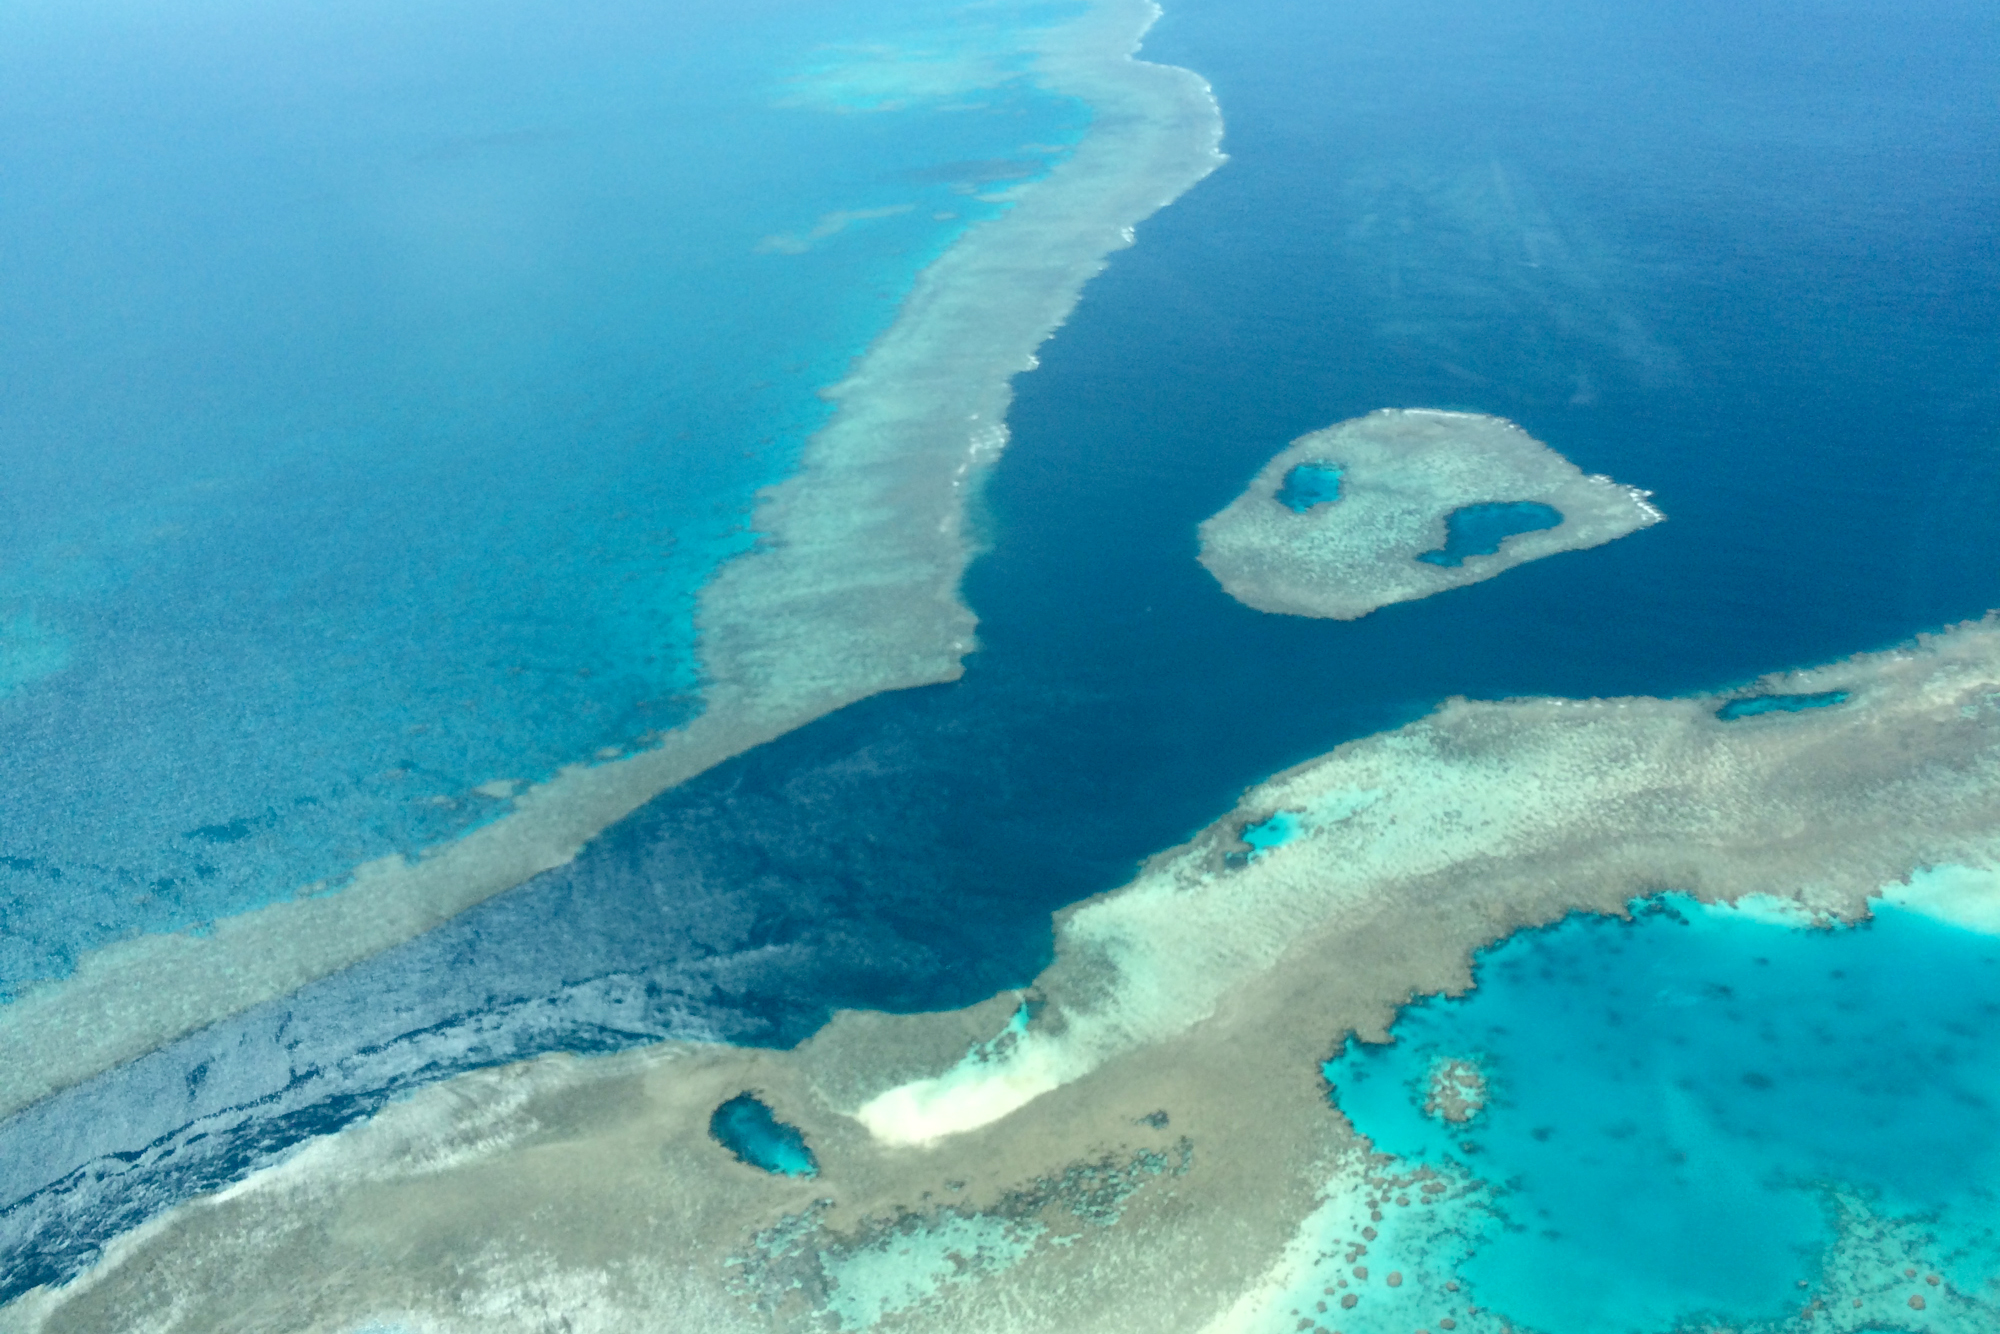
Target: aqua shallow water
x,y
1675,1101
1269,834
1729,253
1308,485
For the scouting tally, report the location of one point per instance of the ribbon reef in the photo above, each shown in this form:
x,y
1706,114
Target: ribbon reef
x,y
852,589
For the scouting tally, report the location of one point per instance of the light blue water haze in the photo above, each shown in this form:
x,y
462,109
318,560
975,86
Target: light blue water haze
x,y
380,382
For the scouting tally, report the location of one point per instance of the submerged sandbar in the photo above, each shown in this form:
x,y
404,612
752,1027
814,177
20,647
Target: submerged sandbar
x,y
1384,508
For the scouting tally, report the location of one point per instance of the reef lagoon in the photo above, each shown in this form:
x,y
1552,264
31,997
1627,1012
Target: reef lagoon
x,y
1696,1116
894,886
1146,1133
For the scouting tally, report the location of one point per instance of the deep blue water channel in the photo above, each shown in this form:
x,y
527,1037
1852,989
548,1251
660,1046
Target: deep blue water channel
x,y
1733,253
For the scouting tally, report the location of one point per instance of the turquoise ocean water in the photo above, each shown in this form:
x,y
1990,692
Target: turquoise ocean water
x,y
1682,1108
378,384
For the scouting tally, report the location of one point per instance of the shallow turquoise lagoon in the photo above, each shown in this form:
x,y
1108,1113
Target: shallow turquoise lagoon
x,y
380,382
1272,833
1478,530
1308,485
1682,1104
747,1127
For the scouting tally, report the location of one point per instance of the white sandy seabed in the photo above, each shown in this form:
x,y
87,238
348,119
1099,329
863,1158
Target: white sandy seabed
x,y
852,590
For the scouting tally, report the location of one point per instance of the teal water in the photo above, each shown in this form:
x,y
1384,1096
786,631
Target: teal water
x,y
1308,485
751,1130
1268,834
1478,530
1677,1104
380,383
1760,704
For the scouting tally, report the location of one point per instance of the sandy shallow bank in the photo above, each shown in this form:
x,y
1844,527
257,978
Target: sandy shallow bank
x,y
1153,1148
852,590
1403,471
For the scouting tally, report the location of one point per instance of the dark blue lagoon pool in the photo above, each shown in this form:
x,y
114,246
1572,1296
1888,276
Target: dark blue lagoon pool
x,y
1752,706
1478,530
748,1128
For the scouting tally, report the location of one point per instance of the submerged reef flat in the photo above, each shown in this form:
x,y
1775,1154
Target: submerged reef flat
x,y
1143,1139
1674,1091
852,590
1385,508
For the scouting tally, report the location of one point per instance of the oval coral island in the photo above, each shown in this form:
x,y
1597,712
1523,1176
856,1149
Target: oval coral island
x,y
1426,500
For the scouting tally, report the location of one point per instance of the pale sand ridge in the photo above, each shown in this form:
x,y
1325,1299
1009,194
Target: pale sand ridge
x,y
852,591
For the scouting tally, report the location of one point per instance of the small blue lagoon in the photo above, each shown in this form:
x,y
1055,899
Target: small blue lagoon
x,y
1680,1104
1308,485
1756,704
1271,833
1478,530
749,1129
